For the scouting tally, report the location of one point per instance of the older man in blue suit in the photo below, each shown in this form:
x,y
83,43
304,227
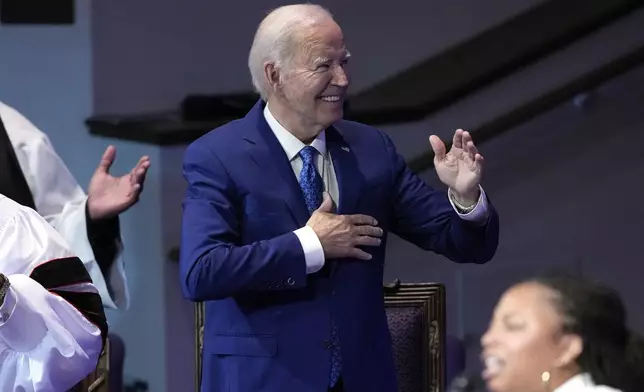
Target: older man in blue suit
x,y
286,217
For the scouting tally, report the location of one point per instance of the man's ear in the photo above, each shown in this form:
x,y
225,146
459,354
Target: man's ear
x,y
272,74
572,346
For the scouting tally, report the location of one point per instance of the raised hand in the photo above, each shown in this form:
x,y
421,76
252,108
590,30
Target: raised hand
x,y
109,196
341,234
460,168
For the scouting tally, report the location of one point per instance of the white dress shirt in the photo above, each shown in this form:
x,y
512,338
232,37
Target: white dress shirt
x,y
583,383
313,252
61,201
46,344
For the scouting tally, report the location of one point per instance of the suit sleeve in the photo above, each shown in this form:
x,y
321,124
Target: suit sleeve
x,y
214,263
62,202
426,218
53,326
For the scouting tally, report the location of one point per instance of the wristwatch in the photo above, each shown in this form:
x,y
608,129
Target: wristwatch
x,y
461,208
4,288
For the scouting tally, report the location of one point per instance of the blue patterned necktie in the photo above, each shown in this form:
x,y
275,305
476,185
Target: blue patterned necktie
x,y
310,180
312,188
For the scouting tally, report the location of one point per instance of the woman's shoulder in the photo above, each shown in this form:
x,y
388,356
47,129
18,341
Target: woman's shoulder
x,y
584,383
603,388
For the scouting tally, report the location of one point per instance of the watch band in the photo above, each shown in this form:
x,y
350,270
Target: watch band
x,y
460,207
4,288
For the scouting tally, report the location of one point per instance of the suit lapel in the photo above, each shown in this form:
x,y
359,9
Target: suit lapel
x,y
350,179
268,154
346,168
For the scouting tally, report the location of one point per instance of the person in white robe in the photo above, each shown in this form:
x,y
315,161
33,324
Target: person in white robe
x,y
32,174
52,321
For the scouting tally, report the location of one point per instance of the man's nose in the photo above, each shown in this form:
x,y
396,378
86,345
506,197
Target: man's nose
x,y
340,77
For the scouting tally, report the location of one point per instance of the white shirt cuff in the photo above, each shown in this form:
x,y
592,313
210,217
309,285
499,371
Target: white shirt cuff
x,y
479,213
312,247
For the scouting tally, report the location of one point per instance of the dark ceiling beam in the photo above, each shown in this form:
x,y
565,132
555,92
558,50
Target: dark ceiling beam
x,y
413,94
542,103
439,81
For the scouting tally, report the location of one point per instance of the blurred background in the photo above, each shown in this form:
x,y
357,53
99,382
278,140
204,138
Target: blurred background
x,y
552,91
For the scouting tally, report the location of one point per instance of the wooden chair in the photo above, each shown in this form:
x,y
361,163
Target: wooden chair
x,y
416,318
96,381
200,314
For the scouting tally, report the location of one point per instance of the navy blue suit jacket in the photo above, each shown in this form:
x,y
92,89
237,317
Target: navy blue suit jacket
x,y
267,324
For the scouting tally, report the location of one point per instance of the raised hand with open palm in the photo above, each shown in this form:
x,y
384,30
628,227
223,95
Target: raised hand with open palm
x,y
109,196
460,168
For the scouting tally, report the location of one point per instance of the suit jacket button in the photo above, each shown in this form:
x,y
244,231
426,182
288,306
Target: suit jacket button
x,y
327,344
290,281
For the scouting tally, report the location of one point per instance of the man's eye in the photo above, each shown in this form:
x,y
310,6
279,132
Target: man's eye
x,y
513,326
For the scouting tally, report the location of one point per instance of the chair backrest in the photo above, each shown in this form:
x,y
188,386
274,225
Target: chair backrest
x,y
200,311
416,318
97,381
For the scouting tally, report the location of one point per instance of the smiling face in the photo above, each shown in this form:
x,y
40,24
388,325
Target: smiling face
x,y
525,339
309,92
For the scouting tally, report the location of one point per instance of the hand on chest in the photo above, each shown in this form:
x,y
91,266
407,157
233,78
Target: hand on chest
x,y
275,196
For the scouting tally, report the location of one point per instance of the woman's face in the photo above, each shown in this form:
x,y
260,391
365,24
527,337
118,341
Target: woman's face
x,y
524,340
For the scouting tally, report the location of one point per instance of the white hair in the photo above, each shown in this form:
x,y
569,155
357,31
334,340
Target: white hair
x,y
275,37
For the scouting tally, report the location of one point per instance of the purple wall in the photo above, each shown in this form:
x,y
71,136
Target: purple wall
x,y
149,53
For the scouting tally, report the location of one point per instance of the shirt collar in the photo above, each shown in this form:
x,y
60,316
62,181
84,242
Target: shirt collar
x,y
292,145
